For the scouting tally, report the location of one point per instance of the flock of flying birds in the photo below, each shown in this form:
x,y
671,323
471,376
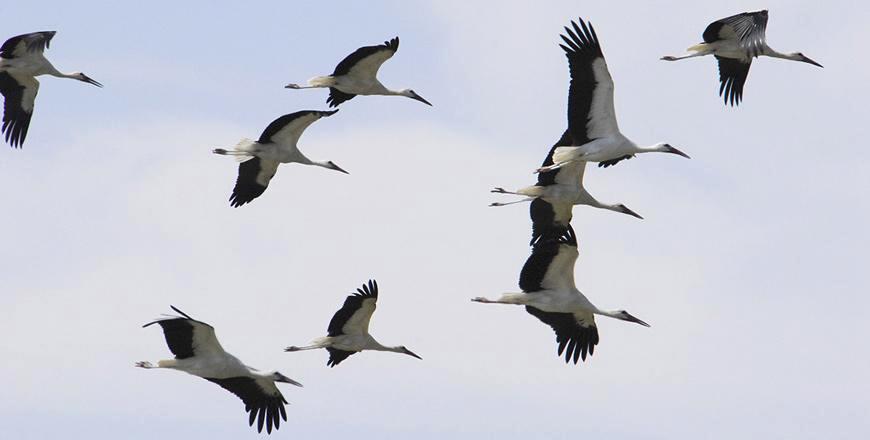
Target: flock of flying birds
x,y
547,278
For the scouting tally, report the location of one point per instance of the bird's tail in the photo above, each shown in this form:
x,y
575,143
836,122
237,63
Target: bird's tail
x,y
700,47
566,154
242,152
322,81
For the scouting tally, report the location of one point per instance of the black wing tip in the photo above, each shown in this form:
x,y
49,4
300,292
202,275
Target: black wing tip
x,y
369,289
582,39
392,44
557,234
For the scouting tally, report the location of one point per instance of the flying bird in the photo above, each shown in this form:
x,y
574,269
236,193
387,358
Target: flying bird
x,y
21,61
277,145
735,41
561,188
591,115
348,331
549,294
357,73
198,352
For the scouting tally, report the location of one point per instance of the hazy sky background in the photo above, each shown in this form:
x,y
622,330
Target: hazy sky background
x,y
751,263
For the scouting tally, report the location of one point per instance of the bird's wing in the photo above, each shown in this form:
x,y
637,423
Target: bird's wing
x,y
365,61
590,96
547,178
287,129
551,264
19,93
263,400
187,337
560,272
576,333
747,29
549,219
25,44
571,173
732,78
546,215
354,316
254,177
336,356
336,97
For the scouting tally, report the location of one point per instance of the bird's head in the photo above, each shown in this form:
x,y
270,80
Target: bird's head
x,y
803,58
403,349
413,95
278,377
667,148
84,78
625,316
332,166
624,209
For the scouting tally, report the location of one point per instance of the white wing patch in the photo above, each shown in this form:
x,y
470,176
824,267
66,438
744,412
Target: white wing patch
x,y
560,274
602,120
358,324
571,174
204,340
290,134
368,67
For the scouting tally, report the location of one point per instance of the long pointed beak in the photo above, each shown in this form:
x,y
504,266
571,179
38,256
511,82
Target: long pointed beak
x,y
411,353
420,98
807,60
90,80
286,379
338,168
677,152
625,210
631,318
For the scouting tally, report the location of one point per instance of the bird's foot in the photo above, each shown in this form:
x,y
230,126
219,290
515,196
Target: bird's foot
x,y
498,190
668,58
292,348
480,299
144,364
292,86
496,204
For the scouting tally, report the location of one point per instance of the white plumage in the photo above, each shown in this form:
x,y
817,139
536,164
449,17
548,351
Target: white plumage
x,y
348,331
591,115
198,352
735,41
21,61
357,73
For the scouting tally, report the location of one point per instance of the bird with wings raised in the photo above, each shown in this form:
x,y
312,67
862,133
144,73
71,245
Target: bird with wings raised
x,y
348,331
549,294
198,352
357,74
277,145
735,41
595,135
21,61
558,191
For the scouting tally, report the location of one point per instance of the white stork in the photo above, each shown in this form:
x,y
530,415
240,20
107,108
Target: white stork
x,y
591,116
276,145
549,293
562,188
21,61
198,352
357,73
348,331
735,41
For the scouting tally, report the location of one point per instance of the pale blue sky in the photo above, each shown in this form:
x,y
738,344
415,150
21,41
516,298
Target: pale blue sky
x,y
750,265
